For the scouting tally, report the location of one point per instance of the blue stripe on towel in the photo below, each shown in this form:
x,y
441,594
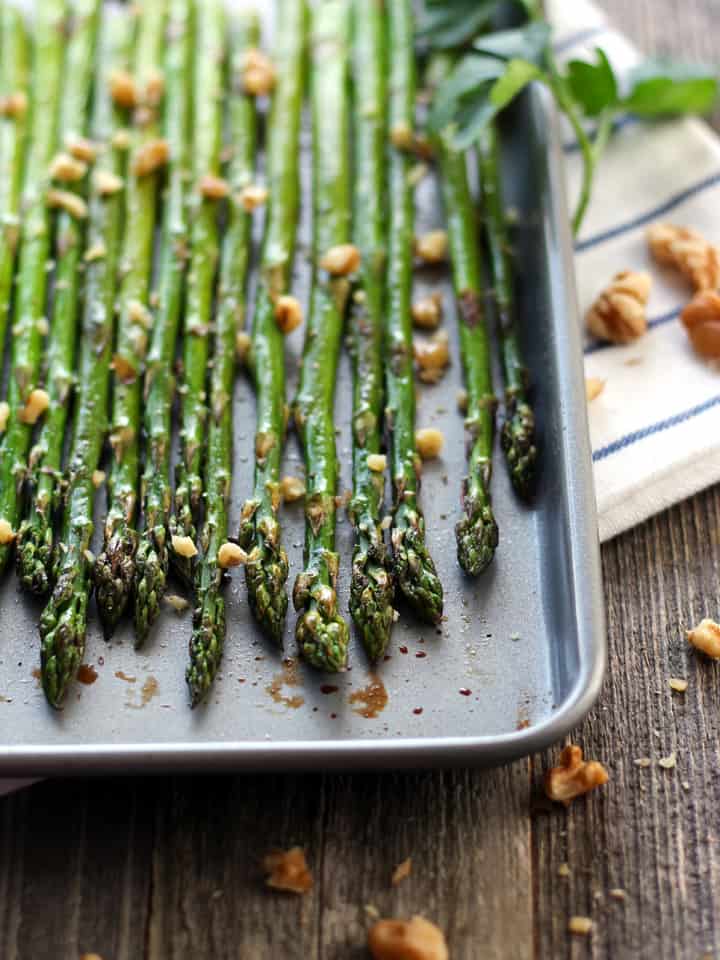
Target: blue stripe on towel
x,y
652,323
674,201
631,438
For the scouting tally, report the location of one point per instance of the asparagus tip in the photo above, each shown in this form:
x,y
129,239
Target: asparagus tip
x,y
322,635
34,557
114,573
206,645
477,537
266,576
62,637
151,564
415,572
518,444
371,600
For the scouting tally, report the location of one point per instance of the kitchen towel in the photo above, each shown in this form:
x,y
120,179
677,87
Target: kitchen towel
x,y
655,428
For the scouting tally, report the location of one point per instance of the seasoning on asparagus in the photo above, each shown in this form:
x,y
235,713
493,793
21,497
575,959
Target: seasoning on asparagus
x,y
29,306
63,624
517,436
14,114
321,633
208,638
115,567
260,534
151,560
477,532
413,566
371,586
36,536
207,137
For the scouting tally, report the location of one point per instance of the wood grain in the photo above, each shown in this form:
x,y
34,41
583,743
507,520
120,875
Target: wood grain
x,y
170,868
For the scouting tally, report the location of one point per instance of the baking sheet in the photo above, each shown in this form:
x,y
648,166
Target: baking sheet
x,y
518,659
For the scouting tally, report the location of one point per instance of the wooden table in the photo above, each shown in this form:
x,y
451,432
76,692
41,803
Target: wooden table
x,y
168,868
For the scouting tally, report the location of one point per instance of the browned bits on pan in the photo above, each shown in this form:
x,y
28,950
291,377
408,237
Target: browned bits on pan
x,y
288,313
701,319
258,74
288,871
432,247
342,260
427,312
123,89
14,105
619,314
213,188
574,776
416,939
688,251
151,157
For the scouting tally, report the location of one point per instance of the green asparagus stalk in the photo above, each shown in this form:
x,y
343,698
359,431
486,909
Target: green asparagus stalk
x,y
477,532
63,624
208,638
321,633
115,567
14,105
207,137
36,535
413,566
29,307
517,436
371,587
151,561
267,571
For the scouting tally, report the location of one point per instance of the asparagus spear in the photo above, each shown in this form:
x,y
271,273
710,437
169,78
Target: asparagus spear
x,y
321,633
477,532
207,100
371,587
115,567
518,430
13,136
29,305
208,639
267,572
36,535
151,561
63,624
413,565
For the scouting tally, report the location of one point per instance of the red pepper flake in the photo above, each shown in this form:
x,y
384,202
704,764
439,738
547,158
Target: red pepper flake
x,y
464,691
387,657
420,654
329,688
333,716
417,711
403,649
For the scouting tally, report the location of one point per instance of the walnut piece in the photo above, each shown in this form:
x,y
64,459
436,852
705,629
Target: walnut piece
x,y
213,188
67,169
231,555
401,871
98,478
619,315
7,534
377,462
433,356
106,183
706,638
252,197
581,926
81,148
258,74
35,406
14,105
123,89
288,313
292,489
69,202
593,388
429,442
4,415
243,342
416,939
341,260
574,776
151,157
427,312
184,546
288,871
701,319
688,251
432,247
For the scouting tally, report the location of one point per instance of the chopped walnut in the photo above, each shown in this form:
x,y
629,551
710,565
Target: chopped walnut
x,y
243,342
69,202
581,926
341,260
106,183
429,442
67,169
619,315
377,462
433,356
151,157
402,137
427,312
231,555
574,776
121,139
14,105
706,638
288,871
42,326
123,89
123,368
416,939
563,870
669,762
593,388
462,400
288,313
432,247
258,74
213,188
98,251
7,534
154,87
4,415
81,148
184,546
139,314
292,489
688,251
98,478
401,871
35,406
252,197
678,685
90,956
701,319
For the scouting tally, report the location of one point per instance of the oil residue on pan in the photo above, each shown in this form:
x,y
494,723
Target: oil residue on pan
x,y
289,677
371,699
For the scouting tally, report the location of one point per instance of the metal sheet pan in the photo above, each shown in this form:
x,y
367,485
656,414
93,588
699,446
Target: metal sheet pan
x,y
517,662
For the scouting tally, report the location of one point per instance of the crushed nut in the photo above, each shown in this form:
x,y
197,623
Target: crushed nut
x,y
96,252
706,638
427,312
4,415
386,522
213,188
669,762
416,939
67,169
678,684
98,478
433,356
42,326
581,926
69,202
121,139
377,462
341,260
151,157
402,137
231,555
288,313
563,870
139,314
432,247
619,314
574,776
7,534
14,105
617,893
106,183
243,342
292,489
252,197
288,870
258,74
401,871
688,251
123,89
124,369
462,400
701,319
177,603
417,173
36,405
593,388
184,546
90,956
154,87
81,148
429,442
643,762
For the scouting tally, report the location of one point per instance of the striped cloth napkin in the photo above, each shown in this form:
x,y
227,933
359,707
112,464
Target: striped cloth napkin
x,y
655,428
